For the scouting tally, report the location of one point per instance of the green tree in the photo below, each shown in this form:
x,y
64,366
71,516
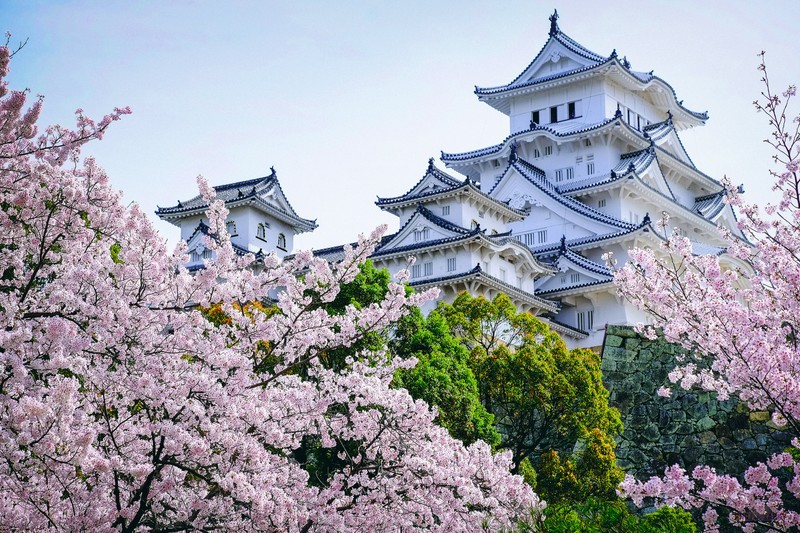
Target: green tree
x,y
545,398
442,377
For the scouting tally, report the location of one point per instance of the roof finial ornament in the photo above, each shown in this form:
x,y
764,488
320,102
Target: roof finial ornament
x,y
272,170
625,62
430,165
646,219
613,54
631,167
618,114
553,23
563,247
669,117
613,175
512,156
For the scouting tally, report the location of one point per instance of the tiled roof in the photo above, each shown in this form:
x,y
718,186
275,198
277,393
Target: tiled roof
x,y
563,129
578,286
478,273
710,205
547,250
241,191
465,186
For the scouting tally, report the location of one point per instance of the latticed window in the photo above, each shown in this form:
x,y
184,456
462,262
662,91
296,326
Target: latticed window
x,y
451,264
416,271
428,269
261,232
282,241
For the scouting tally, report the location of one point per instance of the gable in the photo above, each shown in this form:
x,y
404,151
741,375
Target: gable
x,y
555,59
418,230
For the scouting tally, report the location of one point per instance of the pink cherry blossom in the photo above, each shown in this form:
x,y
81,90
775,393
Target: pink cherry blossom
x,y
739,314
122,408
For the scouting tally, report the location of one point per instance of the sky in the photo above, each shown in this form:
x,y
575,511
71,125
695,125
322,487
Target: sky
x,y
348,100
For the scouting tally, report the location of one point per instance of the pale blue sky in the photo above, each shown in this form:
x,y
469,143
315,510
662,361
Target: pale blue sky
x,y
349,99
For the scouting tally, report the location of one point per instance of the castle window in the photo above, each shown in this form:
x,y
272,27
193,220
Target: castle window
x,y
502,274
451,264
445,210
548,150
590,168
261,232
416,270
282,241
587,142
421,234
571,110
428,269
206,254
574,277
563,279
535,117
536,153
570,173
630,117
601,203
541,236
195,257
529,239
586,320
578,160
554,114
496,163
559,175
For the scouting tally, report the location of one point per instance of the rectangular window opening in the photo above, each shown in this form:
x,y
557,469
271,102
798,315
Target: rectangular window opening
x,y
451,264
553,114
571,109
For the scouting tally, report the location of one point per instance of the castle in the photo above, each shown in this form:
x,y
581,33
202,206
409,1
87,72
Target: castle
x,y
592,161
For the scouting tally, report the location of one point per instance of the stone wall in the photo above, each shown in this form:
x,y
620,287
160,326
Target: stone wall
x,y
690,427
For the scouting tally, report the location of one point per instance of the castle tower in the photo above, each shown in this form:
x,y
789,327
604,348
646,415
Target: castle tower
x,y
592,161
261,219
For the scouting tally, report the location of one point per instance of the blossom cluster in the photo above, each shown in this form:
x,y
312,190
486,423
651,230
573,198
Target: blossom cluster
x,y
739,315
123,408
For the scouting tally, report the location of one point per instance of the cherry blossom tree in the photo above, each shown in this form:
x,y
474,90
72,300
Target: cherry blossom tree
x,y
742,325
123,408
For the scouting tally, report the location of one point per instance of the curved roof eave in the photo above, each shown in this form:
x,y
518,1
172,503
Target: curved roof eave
x,y
497,96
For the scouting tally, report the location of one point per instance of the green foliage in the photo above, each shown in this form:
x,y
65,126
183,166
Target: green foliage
x,y
545,399
597,516
442,377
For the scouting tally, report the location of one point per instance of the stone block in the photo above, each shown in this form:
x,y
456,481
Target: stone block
x,y
760,416
749,444
705,423
613,341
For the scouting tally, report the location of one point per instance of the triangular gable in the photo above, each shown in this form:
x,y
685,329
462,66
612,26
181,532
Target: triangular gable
x,y
433,180
423,227
672,144
555,58
520,185
573,271
652,176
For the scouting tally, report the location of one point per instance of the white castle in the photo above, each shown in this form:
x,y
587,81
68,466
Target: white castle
x,y
592,160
